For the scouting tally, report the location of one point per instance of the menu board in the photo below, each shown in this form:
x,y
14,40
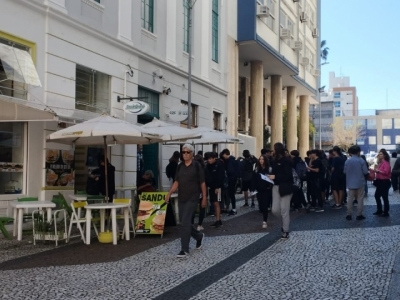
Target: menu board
x,y
151,213
60,169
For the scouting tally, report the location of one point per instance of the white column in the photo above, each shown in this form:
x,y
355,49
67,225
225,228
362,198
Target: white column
x,y
171,32
304,139
276,110
125,21
205,30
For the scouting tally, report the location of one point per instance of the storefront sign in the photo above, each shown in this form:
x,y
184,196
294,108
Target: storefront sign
x,y
60,173
178,113
151,213
136,107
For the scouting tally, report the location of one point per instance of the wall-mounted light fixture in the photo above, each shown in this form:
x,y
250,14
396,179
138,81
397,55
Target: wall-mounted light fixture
x,y
166,90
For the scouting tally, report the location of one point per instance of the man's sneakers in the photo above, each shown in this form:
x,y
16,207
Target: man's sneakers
x,y
182,254
199,243
285,235
264,225
217,224
232,213
319,209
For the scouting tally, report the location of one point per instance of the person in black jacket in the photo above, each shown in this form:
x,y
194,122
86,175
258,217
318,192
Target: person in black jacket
x,y
232,171
214,176
110,178
282,191
263,188
170,170
298,198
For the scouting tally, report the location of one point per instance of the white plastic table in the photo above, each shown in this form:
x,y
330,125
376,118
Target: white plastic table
x,y
78,197
19,208
102,207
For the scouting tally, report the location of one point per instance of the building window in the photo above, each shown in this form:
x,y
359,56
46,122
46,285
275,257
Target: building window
x,y
152,99
371,123
148,15
217,120
387,124
337,113
186,12
287,23
348,124
372,140
336,103
387,139
17,69
397,123
12,157
360,141
92,90
336,95
193,112
397,139
215,25
270,20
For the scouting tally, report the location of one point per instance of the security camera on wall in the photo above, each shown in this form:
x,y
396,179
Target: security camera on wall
x,y
166,90
158,73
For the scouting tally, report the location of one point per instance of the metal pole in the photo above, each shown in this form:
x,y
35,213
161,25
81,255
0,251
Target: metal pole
x,y
319,63
189,124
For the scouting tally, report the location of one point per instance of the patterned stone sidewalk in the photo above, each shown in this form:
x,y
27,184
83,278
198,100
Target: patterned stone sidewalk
x,y
327,264
142,276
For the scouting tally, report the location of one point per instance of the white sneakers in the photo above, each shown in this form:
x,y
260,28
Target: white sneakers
x,y
264,225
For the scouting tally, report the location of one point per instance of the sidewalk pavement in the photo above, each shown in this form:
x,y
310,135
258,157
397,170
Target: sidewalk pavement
x,y
325,257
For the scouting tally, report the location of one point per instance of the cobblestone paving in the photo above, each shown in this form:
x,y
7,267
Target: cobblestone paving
x,y
327,264
142,276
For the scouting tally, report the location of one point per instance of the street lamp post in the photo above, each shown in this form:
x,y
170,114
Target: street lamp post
x,y
190,4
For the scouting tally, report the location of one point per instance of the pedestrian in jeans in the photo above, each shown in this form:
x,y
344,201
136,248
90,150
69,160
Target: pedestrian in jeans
x,y
356,171
383,174
214,176
317,172
232,170
282,190
189,179
263,188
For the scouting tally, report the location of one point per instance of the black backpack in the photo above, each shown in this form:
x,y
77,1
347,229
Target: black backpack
x,y
301,170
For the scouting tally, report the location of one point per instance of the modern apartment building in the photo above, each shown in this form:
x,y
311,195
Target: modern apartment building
x,y
75,59
340,100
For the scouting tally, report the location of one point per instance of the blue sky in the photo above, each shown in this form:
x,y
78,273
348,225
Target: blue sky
x,y
363,39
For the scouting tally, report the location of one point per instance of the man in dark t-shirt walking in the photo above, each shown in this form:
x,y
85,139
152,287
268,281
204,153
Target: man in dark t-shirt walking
x,y
317,172
189,179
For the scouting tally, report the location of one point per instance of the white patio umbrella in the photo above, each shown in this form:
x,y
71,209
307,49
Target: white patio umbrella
x,y
210,136
104,130
170,132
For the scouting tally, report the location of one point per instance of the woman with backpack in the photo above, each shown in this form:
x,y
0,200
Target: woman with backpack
x,y
282,190
170,170
300,166
263,188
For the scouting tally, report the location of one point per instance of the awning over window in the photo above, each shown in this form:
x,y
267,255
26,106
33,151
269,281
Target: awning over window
x,y
18,65
12,109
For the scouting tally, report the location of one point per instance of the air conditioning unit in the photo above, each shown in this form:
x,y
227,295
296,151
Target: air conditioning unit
x,y
285,33
303,17
304,61
315,33
316,72
262,11
296,45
